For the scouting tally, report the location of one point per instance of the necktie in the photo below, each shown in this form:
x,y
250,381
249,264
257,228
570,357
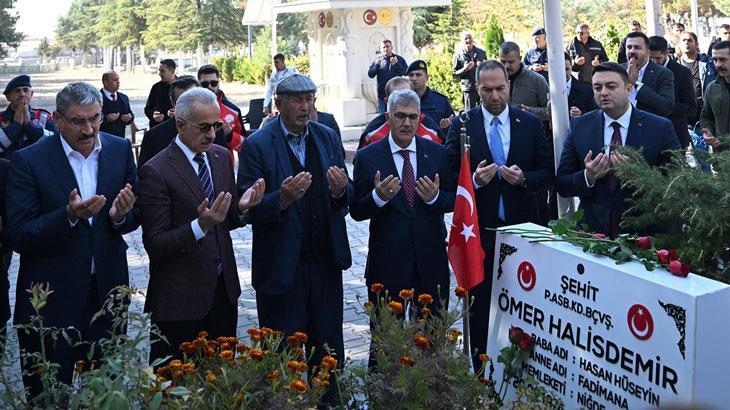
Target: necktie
x,y
114,97
408,181
615,141
297,145
495,145
204,177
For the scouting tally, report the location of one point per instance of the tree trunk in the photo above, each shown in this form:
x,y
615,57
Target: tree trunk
x,y
200,55
142,57
130,59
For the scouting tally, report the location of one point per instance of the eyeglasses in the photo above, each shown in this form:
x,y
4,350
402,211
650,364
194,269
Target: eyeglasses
x,y
204,127
80,122
212,83
402,116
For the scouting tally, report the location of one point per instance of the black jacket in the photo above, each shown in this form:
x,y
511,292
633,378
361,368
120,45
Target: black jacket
x,y
581,96
685,101
158,100
589,50
657,92
121,106
462,58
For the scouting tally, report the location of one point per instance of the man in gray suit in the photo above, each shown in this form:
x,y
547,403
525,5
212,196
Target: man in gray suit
x,y
653,84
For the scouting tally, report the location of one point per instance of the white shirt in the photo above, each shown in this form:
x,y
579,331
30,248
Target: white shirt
x,y
107,93
504,133
639,84
567,86
189,154
624,121
275,77
399,161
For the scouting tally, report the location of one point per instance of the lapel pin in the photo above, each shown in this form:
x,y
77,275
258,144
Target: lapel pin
x,y
517,120
639,124
425,156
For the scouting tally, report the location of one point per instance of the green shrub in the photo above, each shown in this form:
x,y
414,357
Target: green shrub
x,y
441,79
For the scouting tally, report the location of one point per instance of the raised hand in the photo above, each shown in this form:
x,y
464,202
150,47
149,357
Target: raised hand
x,y
388,188
484,173
252,196
427,189
83,209
596,168
337,180
293,188
123,203
209,217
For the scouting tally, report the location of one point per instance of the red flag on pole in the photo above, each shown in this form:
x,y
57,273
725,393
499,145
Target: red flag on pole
x,y
465,248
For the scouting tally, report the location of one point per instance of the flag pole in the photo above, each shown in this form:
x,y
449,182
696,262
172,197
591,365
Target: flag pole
x,y
465,144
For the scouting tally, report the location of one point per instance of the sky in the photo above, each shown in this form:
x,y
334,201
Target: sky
x,y
38,18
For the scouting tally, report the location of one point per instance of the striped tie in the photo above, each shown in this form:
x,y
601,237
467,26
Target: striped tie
x,y
204,177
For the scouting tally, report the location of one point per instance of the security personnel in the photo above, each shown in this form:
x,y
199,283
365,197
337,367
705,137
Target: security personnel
x,y
21,125
434,104
536,58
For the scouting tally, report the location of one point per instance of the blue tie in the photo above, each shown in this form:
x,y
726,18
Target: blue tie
x,y
495,145
204,177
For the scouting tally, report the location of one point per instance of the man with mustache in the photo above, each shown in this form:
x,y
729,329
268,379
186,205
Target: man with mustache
x,y
188,203
715,116
652,85
590,153
700,65
70,198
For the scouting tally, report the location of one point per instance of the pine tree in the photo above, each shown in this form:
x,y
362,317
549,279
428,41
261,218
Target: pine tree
x,y
9,37
493,38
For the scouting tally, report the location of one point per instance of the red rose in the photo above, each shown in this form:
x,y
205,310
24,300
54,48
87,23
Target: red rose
x,y
663,255
515,334
644,242
673,255
679,268
599,236
526,342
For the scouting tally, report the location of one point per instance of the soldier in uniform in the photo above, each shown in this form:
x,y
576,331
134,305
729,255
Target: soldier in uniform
x,y
433,103
21,125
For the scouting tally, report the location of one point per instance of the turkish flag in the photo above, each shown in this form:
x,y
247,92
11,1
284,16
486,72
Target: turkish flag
x,y
465,248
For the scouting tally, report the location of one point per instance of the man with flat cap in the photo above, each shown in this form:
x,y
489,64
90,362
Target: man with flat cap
x,y
433,103
21,125
536,58
300,245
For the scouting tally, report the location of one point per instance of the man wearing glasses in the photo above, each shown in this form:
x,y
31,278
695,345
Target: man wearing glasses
x,y
230,114
188,203
69,201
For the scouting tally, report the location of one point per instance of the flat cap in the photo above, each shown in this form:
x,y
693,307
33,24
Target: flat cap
x,y
295,84
417,65
19,81
538,31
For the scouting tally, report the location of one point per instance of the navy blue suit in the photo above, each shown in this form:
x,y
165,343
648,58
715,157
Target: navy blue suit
x,y
407,247
653,134
530,151
329,120
5,252
657,94
51,251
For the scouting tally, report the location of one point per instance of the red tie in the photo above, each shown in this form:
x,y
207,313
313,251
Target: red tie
x,y
408,181
615,141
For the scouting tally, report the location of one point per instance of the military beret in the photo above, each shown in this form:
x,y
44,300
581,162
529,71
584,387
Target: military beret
x,y
417,65
19,81
295,84
538,31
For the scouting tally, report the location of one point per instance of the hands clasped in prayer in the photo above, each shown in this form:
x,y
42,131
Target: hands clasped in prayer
x,y
389,187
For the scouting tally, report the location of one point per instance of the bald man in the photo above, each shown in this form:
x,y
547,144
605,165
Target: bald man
x,y
115,108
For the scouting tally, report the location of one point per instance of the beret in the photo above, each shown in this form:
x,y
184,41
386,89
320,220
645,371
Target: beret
x,y
538,31
19,81
417,65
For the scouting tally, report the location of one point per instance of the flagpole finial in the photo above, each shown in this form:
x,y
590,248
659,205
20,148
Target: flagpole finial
x,y
464,137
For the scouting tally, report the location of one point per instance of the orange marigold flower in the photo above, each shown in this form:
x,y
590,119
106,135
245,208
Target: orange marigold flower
x,y
175,364
329,362
299,385
483,357
460,292
369,305
293,365
209,376
267,332
210,353
226,346
226,354
242,347
377,287
186,347
199,342
396,307
301,337
189,368
406,361
421,342
453,335
274,375
425,299
255,334
256,354
213,344
298,353
233,340
425,311
221,340
406,294
202,334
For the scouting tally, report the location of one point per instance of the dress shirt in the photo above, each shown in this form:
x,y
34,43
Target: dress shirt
x,y
108,94
567,87
639,84
189,154
624,121
504,133
273,80
399,161
299,150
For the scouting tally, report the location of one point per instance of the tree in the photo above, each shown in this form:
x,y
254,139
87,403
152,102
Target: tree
x,y
220,23
9,37
75,30
44,48
447,24
493,38
172,24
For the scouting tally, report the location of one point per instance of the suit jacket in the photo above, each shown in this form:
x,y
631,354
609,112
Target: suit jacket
x,y
4,283
656,96
184,271
685,101
121,105
528,150
653,134
277,233
50,249
402,237
581,96
329,120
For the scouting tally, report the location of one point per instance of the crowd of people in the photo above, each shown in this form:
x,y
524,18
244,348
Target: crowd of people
x,y
72,187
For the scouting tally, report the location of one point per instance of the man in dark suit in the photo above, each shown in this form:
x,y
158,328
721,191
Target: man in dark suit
x,y
587,159
300,244
158,138
512,163
580,94
69,201
653,85
6,254
327,119
188,203
116,109
685,101
158,102
398,186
